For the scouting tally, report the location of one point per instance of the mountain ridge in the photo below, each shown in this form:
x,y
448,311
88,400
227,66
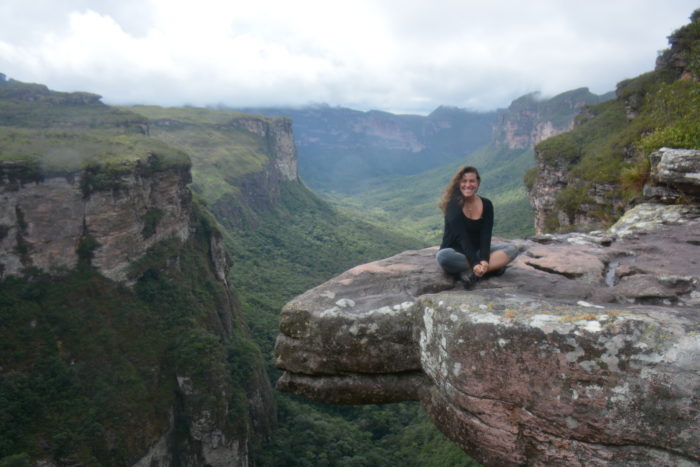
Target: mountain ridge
x,y
345,150
409,203
586,178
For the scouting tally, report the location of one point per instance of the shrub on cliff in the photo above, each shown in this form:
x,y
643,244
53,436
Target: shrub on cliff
x,y
609,146
90,369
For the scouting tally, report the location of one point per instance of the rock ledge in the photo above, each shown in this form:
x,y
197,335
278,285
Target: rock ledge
x,y
586,351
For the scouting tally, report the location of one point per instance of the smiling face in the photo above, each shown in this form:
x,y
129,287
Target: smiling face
x,y
468,184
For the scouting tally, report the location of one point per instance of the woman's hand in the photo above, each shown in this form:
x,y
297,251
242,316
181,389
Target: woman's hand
x,y
481,269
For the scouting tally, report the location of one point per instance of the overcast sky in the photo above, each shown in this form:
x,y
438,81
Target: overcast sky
x,y
406,56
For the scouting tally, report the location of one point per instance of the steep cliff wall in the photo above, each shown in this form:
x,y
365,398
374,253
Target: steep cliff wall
x,y
587,178
48,222
121,341
531,118
140,230
280,143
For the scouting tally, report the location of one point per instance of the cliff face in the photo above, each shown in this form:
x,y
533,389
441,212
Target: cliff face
x,y
531,119
342,149
45,222
131,308
672,180
52,225
279,138
584,352
587,178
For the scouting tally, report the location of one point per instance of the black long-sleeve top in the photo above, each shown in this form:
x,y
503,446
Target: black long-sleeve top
x,y
468,236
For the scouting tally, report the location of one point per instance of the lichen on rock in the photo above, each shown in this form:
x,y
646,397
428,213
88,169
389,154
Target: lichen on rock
x,y
586,351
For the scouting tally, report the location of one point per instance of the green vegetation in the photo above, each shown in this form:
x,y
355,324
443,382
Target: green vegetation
x,y
27,105
346,151
150,221
674,110
530,178
47,151
43,132
284,240
225,155
409,205
612,141
89,367
379,435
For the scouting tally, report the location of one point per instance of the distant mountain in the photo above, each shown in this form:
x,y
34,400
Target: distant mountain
x,y
531,118
346,151
409,203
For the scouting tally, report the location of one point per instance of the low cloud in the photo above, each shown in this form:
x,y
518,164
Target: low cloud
x,y
408,56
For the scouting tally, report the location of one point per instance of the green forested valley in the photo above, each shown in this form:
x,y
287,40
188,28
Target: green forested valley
x,y
284,241
93,371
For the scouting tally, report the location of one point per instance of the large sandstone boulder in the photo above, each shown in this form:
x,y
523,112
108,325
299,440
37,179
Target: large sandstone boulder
x,y
677,173
585,352
674,180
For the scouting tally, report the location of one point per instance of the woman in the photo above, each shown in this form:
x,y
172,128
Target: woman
x,y
466,249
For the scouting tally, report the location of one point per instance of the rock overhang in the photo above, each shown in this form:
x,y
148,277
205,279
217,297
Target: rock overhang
x,y
523,362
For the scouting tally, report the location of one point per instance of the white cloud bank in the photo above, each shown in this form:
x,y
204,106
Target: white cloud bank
x,y
406,56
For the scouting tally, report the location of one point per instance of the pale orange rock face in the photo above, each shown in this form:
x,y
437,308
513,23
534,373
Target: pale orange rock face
x,y
46,220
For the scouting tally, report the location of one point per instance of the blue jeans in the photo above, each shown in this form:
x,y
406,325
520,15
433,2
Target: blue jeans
x,y
454,262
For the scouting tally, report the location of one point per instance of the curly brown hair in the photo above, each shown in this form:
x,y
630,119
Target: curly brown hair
x,y
452,190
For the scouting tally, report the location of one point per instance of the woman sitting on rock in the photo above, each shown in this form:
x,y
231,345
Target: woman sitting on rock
x,y
466,251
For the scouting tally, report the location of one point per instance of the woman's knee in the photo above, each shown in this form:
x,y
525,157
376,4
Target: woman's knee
x,y
509,249
451,261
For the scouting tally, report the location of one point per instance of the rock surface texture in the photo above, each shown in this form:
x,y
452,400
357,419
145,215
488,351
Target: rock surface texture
x,y
585,352
674,180
51,224
531,118
43,222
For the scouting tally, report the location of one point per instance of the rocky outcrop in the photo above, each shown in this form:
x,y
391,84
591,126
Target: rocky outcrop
x,y
50,221
675,176
531,118
551,179
674,179
585,352
277,132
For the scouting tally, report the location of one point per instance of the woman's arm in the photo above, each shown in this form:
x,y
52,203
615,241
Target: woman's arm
x,y
485,239
486,232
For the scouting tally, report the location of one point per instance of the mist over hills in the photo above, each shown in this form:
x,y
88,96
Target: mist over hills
x,y
346,151
112,365
391,169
